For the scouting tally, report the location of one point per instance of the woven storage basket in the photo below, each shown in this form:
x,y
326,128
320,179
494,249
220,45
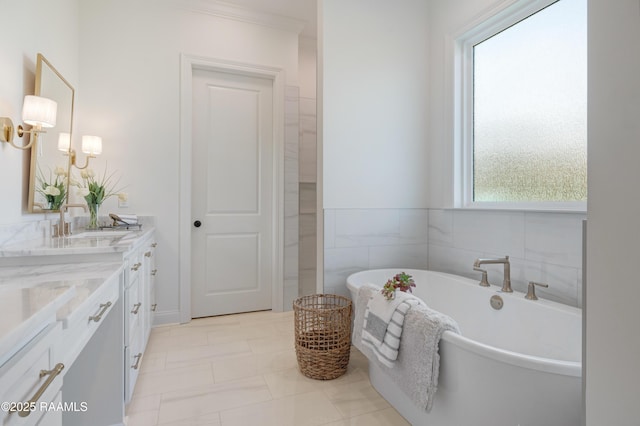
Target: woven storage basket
x,y
323,335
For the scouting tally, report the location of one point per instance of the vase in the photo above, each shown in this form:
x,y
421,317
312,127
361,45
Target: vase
x,y
93,215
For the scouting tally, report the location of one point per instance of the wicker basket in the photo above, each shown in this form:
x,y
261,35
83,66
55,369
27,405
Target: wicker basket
x,y
323,335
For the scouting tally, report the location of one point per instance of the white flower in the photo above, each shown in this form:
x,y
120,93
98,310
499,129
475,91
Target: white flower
x,y
87,173
73,182
123,197
60,171
51,190
83,192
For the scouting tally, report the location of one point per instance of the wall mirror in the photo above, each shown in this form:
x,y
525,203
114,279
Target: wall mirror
x,y
50,166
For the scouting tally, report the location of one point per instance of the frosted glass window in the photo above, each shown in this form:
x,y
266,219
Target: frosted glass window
x,y
530,109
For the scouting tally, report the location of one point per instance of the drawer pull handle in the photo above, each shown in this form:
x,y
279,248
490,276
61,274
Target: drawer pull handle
x,y
154,272
104,307
154,307
137,364
136,308
147,254
136,266
154,245
52,375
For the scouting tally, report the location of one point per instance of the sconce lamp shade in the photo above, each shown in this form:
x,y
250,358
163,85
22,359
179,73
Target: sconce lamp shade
x,y
92,145
37,110
64,142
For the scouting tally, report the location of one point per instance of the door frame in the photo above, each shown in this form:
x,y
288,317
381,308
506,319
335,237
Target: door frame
x,y
188,63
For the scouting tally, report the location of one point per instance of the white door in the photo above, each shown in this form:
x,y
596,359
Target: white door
x,y
232,193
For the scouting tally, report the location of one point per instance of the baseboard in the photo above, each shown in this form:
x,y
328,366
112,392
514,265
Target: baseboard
x,y
166,317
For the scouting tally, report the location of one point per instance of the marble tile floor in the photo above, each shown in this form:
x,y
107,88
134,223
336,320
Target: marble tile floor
x,y
240,370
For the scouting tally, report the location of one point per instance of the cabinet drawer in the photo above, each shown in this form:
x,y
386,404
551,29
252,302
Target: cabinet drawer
x,y
53,417
133,310
134,268
85,318
133,362
33,376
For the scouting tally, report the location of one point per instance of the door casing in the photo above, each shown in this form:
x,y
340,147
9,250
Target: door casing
x,y
187,64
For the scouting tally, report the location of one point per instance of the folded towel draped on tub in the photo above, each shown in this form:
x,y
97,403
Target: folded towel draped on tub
x,y
418,363
383,324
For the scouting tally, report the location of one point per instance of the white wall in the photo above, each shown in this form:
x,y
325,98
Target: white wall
x,y
374,71
29,27
130,75
613,292
447,20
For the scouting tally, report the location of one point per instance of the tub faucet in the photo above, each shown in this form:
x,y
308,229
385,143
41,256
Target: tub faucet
x,y
531,292
63,227
506,283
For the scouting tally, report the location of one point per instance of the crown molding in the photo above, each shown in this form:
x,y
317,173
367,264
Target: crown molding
x,y
244,14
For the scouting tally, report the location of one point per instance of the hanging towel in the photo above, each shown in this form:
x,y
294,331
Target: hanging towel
x,y
417,367
383,321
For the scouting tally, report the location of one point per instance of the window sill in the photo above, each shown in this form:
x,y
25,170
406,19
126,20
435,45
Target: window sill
x,y
569,208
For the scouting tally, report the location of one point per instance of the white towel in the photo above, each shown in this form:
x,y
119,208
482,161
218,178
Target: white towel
x,y
383,323
417,368
129,219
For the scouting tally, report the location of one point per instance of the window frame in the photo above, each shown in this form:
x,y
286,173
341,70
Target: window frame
x,y
463,109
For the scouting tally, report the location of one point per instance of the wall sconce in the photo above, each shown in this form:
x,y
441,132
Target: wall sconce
x,y
37,111
91,145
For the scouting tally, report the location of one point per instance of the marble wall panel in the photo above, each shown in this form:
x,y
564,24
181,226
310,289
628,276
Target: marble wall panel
x,y
360,239
543,247
308,140
291,197
25,231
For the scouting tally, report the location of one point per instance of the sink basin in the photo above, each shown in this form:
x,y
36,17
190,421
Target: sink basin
x,y
100,234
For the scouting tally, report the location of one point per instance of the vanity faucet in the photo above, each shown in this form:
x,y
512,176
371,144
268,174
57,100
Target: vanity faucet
x,y
506,283
63,227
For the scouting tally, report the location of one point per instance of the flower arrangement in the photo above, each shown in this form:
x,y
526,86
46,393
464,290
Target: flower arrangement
x,y
95,191
53,189
401,281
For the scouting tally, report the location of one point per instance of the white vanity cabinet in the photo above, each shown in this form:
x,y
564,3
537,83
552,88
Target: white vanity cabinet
x,y
134,299
91,346
140,265
80,310
82,316
151,271
31,381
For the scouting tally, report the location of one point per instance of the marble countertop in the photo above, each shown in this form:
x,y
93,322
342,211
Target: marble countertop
x,y
36,292
32,297
91,242
27,310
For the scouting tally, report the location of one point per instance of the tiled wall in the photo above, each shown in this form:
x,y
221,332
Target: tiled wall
x,y
543,247
291,218
308,156
308,216
359,239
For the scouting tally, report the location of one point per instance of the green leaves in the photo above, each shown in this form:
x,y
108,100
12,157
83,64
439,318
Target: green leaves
x,y
401,281
94,190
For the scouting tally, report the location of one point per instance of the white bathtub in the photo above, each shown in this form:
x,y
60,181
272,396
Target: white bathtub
x,y
520,365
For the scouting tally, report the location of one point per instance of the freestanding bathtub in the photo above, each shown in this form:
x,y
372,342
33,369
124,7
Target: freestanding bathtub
x,y
520,365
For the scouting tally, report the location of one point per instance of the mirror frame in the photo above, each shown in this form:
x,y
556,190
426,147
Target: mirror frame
x,y
32,206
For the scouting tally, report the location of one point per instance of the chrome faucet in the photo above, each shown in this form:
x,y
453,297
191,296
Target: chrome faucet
x,y
506,283
63,228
